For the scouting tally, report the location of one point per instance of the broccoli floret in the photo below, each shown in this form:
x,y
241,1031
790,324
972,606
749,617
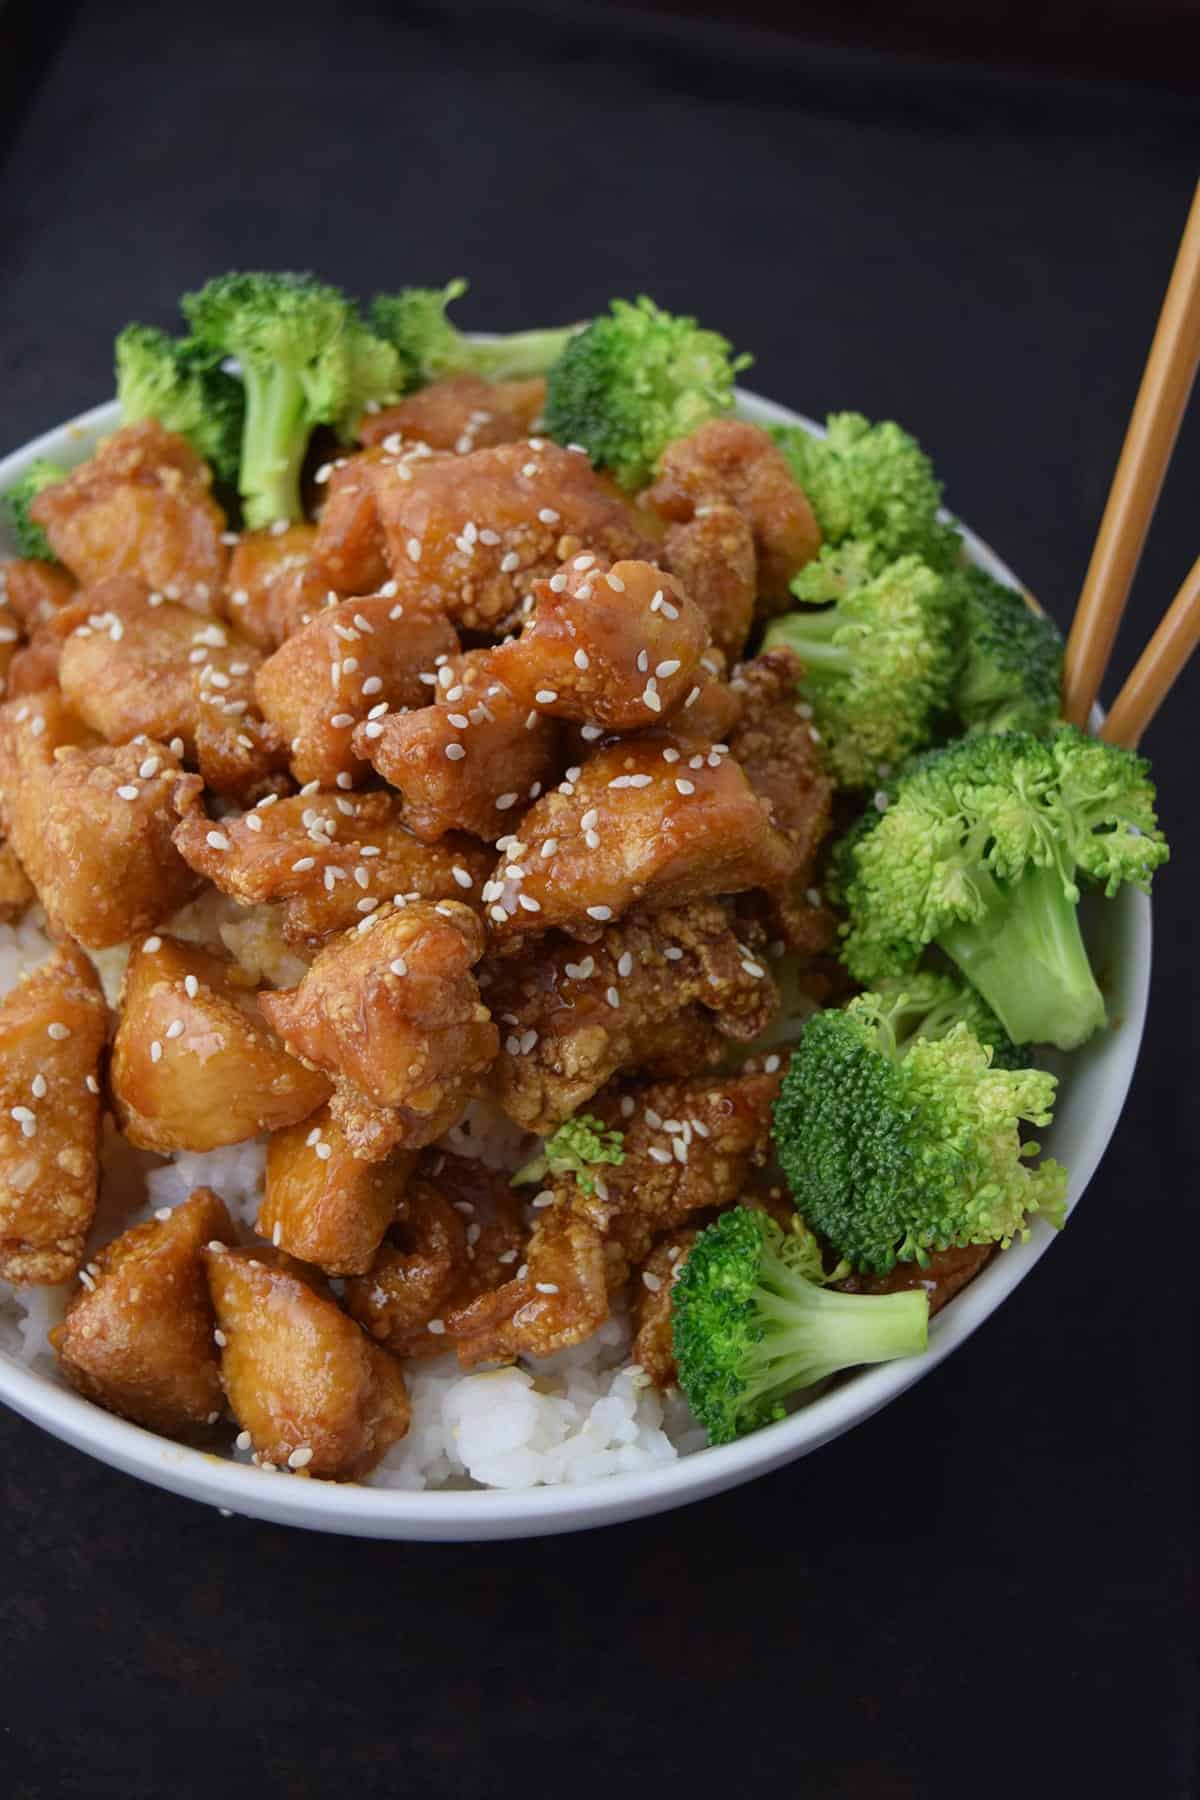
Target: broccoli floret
x,y
579,1145
896,1150
750,1326
306,359
414,322
879,664
978,849
633,381
928,1004
181,384
31,539
872,483
1011,676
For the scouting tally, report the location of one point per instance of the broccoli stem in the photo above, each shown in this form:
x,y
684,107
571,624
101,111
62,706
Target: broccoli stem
x,y
812,637
812,1332
1026,955
520,355
275,440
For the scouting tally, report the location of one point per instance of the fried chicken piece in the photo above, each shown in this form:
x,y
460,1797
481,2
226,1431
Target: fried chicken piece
x,y
16,889
10,637
472,532
314,1393
464,762
52,1030
194,1066
35,590
352,661
639,823
617,647
652,1344
558,1296
140,506
461,413
712,556
572,1018
90,824
322,1203
348,551
394,1011
260,594
138,1335
729,461
946,1274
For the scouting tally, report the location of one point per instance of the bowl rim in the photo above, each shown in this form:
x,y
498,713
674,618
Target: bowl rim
x,y
490,1513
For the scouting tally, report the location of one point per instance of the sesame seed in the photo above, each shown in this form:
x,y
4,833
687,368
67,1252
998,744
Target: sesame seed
x,y
651,699
505,800
303,865
364,624
151,944
20,1114
413,547
344,781
92,1085
324,1151
670,667
509,563
314,1137
342,721
372,685
462,877
659,1155
459,721
653,1282
155,1051
673,953
669,611
216,840
175,1029
599,912
753,969
770,1065
557,583
582,660
38,1085
300,1457
220,1339
625,965
176,746
529,903
546,696
612,996
58,1031
252,822
436,1326
627,1106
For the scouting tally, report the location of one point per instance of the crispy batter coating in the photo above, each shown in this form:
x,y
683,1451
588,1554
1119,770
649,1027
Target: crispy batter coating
x,y
461,413
193,1064
640,823
730,461
91,824
614,646
652,1345
16,889
140,506
52,1031
322,1204
314,1393
463,763
712,555
558,1296
946,1274
35,590
138,1335
353,660
260,594
10,633
348,552
394,1011
571,1018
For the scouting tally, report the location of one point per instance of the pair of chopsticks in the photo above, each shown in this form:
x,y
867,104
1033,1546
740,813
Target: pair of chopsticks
x,y
1157,413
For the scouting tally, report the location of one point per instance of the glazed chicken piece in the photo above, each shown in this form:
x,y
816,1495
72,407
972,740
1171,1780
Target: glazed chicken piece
x,y
639,823
393,1010
305,1382
134,666
322,1203
90,824
616,647
353,662
10,637
473,532
348,551
945,1274
138,1334
52,1030
16,889
461,413
572,1017
713,558
140,506
652,1345
262,597
33,665
464,762
557,1297
35,590
731,462
328,859
194,1066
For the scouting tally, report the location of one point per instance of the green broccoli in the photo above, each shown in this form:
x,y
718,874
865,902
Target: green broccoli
x,y
872,483
977,848
879,664
928,1004
1011,675
896,1150
578,1145
633,381
181,384
750,1326
31,539
306,359
414,322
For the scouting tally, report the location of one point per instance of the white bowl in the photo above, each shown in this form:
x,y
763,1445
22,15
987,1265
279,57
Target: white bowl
x,y
1093,1093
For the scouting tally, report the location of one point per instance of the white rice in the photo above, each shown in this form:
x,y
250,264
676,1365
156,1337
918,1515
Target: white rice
x,y
574,1417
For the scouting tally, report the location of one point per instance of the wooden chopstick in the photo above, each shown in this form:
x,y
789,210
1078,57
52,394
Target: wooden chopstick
x,y
1158,666
1157,411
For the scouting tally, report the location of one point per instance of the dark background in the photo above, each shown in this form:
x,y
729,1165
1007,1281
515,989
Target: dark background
x,y
985,1589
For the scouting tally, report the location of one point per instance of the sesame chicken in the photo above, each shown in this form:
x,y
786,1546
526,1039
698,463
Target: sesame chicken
x,y
16,889
558,1296
653,1349
306,1384
945,1274
462,763
140,506
35,590
352,661
713,558
323,1204
138,1335
460,413
52,1030
195,1064
617,646
393,1010
730,462
570,1019
348,553
272,587
91,824
639,822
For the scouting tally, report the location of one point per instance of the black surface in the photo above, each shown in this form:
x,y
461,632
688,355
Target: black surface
x,y
985,1589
